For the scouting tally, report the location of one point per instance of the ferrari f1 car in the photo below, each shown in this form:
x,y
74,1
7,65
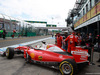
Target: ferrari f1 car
x,y
52,55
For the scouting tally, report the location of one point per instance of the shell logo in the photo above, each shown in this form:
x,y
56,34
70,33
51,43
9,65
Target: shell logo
x,y
32,55
40,58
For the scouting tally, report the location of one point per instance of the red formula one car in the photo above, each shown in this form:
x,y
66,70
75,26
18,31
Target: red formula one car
x,y
52,55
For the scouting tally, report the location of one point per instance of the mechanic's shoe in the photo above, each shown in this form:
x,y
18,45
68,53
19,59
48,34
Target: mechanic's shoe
x,y
98,65
91,63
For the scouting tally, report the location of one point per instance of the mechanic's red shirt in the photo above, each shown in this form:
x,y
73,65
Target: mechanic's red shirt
x,y
14,31
71,40
76,37
59,41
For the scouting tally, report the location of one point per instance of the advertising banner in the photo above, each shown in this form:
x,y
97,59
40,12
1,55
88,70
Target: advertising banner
x,y
98,8
93,12
88,15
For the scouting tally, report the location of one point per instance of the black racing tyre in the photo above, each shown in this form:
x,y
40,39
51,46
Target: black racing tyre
x,y
28,59
9,53
68,67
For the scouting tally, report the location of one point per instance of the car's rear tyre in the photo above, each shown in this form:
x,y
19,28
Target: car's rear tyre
x,y
10,53
67,67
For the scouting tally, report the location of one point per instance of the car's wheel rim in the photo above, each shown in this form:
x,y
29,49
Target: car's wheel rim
x,y
7,52
66,68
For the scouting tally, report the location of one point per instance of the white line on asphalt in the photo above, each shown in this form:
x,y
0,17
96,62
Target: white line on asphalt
x,y
23,44
92,73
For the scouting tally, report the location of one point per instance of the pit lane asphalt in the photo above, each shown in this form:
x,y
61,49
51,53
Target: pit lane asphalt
x,y
10,41
17,66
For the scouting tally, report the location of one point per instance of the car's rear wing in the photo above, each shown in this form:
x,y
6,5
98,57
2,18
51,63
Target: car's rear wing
x,y
81,55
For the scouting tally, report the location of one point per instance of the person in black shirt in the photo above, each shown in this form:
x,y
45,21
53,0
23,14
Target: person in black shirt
x,y
96,40
90,41
4,33
83,43
98,47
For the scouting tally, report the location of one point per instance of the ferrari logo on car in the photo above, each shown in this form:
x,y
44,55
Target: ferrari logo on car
x,y
32,55
40,58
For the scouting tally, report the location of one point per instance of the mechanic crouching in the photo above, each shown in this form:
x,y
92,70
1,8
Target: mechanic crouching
x,y
71,41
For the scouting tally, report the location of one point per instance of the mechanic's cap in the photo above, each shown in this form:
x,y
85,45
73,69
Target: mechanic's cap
x,y
73,32
58,33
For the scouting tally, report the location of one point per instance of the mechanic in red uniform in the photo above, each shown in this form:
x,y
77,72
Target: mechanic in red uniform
x,y
59,40
71,42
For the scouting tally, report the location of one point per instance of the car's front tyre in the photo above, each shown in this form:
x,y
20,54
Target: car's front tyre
x,y
9,53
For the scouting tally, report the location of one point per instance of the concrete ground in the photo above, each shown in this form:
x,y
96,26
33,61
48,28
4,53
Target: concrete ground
x,y
10,41
17,65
